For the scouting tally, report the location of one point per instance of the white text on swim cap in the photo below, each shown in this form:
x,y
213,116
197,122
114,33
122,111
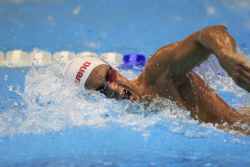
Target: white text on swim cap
x,y
82,69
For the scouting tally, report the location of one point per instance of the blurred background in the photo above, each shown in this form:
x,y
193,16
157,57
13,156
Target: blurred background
x,y
111,25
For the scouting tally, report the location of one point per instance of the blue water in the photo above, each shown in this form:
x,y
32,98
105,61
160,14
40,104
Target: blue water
x,y
43,122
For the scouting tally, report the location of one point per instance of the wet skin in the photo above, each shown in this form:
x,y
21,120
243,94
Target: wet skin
x,y
169,74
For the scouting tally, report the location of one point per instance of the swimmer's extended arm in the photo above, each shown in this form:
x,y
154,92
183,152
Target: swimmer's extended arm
x,y
179,58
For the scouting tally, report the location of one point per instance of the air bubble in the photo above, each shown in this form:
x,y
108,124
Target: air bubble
x,y
10,88
5,77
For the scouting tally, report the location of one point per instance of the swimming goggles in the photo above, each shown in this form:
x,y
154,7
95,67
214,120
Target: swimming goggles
x,y
110,77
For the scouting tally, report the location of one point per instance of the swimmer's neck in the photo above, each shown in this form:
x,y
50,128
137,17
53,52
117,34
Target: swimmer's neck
x,y
140,90
147,93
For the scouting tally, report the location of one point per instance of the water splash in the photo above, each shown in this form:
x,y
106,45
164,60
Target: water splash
x,y
217,78
50,104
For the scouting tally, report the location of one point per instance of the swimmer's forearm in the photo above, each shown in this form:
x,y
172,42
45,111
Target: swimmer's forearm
x,y
217,40
177,59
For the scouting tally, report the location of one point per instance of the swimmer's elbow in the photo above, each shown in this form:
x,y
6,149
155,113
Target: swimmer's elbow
x,y
210,32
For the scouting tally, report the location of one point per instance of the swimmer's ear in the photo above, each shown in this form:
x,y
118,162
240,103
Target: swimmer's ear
x,y
96,77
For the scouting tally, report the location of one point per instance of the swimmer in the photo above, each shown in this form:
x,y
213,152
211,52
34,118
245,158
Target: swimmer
x,y
169,74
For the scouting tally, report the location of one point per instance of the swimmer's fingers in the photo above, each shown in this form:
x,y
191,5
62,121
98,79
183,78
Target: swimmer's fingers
x,y
238,68
242,82
244,70
243,76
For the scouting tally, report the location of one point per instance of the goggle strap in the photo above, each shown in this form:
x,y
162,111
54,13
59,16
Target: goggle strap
x,y
106,85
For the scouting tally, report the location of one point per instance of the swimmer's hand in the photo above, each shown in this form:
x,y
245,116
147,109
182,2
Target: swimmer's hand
x,y
238,67
217,40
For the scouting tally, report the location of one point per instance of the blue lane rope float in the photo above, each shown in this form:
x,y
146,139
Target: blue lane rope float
x,y
133,61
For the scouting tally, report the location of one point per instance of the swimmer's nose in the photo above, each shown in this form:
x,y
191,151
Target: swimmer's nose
x,y
113,90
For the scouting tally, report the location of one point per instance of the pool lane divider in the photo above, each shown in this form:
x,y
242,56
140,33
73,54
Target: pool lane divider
x,y
2,60
19,58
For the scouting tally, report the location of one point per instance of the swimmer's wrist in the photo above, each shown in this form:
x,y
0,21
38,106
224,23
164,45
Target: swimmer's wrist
x,y
222,54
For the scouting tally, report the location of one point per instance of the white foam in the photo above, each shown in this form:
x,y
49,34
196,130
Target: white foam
x,y
63,56
52,105
2,60
112,58
17,58
40,58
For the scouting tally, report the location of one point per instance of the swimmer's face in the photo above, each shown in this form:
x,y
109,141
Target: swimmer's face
x,y
112,84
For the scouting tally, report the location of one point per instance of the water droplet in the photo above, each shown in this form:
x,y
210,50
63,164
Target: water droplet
x,y
5,77
10,88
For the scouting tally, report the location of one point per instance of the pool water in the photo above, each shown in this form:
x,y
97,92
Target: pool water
x,y
45,122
